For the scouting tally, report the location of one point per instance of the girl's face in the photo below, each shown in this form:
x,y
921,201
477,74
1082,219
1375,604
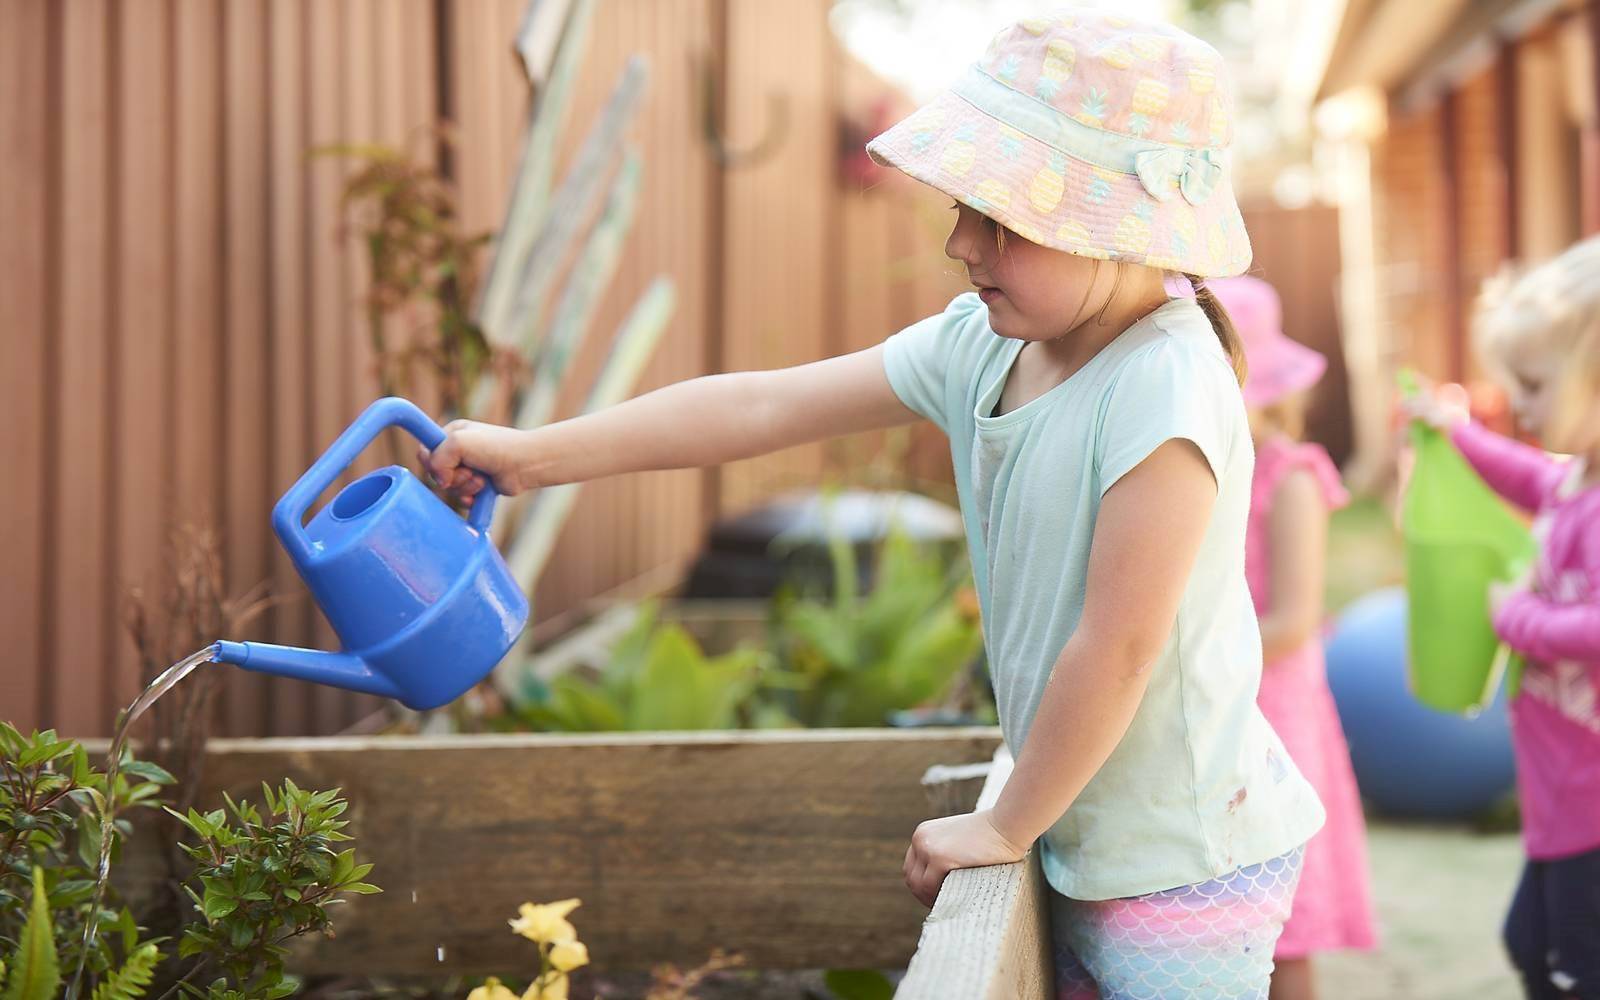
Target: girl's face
x,y
1535,378
1573,425
1033,292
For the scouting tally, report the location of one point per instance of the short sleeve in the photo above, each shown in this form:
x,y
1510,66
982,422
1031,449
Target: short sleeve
x,y
918,359
1273,466
1173,389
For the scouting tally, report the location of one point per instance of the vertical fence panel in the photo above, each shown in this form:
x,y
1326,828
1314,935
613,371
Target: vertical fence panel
x,y
247,387
27,134
291,363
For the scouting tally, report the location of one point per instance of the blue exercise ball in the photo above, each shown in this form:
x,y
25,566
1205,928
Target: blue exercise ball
x,y
1410,760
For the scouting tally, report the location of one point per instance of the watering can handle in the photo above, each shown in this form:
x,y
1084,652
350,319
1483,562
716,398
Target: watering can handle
x,y
289,513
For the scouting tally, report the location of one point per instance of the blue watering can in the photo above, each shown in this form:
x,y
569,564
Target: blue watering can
x,y
422,601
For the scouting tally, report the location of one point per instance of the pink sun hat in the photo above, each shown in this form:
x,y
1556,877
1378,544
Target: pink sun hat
x,y
1085,131
1278,366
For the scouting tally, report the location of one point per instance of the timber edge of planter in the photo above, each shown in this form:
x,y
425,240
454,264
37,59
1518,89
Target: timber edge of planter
x,y
988,934
782,845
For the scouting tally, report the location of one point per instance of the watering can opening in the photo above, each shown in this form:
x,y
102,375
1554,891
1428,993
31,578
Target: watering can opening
x,y
359,497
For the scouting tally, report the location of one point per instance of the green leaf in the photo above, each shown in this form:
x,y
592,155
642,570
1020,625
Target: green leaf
x,y
240,935
859,984
217,906
360,888
35,971
129,982
149,772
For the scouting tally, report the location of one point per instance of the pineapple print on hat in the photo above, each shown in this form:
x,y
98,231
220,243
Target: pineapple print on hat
x,y
1113,54
991,194
1217,245
1099,189
959,153
1202,76
1044,194
1082,242
1010,141
1026,231
1037,25
1150,48
1059,59
1092,110
1184,228
1149,100
1133,233
1219,122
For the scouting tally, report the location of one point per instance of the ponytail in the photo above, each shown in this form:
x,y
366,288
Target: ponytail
x,y
1229,337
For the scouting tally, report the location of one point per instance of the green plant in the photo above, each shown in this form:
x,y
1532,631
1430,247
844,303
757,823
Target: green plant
x,y
853,659
405,213
264,879
257,880
52,802
859,984
657,678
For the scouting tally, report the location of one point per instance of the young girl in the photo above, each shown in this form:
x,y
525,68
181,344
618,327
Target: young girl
x,y
1295,488
1103,461
1544,337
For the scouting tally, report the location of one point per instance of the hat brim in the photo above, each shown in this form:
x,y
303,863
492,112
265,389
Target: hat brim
x,y
1049,197
1287,368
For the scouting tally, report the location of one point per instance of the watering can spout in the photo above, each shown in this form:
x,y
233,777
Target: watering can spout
x,y
341,670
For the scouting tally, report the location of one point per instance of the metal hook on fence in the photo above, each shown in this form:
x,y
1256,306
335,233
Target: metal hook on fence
x,y
726,154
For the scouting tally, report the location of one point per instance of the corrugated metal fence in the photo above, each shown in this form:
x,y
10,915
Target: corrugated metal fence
x,y
181,325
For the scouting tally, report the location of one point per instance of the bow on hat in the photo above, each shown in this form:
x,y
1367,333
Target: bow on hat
x,y
1197,172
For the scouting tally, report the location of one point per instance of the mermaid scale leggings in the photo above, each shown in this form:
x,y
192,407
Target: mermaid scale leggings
x,y
1208,941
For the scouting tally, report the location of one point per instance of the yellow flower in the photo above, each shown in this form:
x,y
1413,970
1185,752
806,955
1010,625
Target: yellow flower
x,y
568,955
550,986
491,990
546,923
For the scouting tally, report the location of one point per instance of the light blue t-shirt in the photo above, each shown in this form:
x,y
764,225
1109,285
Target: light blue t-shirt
x,y
1200,785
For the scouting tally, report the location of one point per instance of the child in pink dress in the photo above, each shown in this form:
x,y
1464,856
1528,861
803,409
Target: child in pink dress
x,y
1294,489
1544,337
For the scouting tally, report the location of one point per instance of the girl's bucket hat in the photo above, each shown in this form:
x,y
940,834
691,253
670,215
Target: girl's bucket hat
x,y
1101,135
1279,366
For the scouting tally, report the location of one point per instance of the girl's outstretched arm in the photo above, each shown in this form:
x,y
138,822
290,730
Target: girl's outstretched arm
x,y
1146,539
703,421
1521,473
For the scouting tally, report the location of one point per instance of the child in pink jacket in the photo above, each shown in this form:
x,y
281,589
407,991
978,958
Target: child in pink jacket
x,y
1544,336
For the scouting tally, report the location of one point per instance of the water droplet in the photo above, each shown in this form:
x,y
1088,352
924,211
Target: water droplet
x,y
440,953
413,895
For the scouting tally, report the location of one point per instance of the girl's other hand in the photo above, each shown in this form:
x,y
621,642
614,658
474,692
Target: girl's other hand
x,y
940,846
472,451
1443,407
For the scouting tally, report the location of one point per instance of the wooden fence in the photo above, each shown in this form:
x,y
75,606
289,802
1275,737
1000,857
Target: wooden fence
x,y
182,325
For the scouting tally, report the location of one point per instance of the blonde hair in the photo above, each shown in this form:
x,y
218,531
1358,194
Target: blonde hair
x,y
1552,309
1222,325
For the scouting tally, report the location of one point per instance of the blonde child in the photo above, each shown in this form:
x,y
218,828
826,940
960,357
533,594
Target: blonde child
x,y
1295,488
1543,336
1103,461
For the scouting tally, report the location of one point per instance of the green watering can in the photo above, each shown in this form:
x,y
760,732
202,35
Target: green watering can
x,y
1459,539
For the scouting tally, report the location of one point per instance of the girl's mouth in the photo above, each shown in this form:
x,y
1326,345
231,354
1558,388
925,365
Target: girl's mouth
x,y
989,294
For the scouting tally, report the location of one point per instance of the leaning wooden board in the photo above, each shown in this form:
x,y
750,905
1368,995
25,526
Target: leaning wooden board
x,y
782,845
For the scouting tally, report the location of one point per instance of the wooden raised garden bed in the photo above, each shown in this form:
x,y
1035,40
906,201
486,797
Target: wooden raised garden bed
x,y
784,846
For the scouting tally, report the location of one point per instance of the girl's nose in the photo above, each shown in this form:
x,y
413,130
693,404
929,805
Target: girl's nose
x,y
963,243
